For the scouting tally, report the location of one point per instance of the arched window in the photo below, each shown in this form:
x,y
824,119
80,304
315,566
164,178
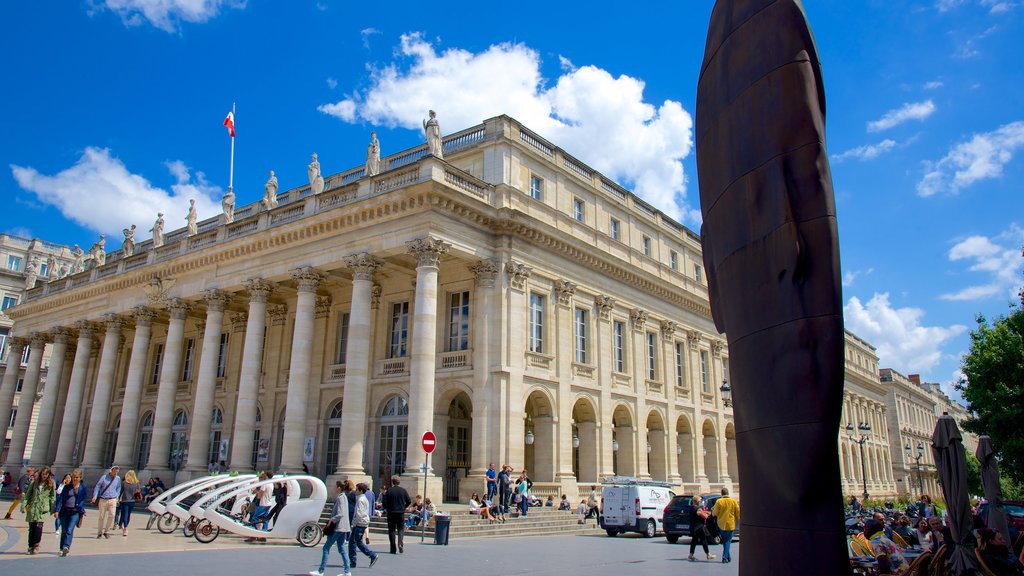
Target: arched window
x,y
332,446
179,440
145,436
216,424
112,442
394,438
256,438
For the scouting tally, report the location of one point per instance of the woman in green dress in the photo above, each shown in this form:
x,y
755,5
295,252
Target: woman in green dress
x,y
39,504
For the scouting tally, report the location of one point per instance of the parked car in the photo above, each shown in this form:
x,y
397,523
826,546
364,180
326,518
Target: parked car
x,y
676,516
632,506
1014,513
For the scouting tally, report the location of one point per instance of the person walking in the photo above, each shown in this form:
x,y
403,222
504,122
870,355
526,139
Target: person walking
x,y
130,493
19,490
698,530
339,528
40,499
727,511
360,524
70,508
592,510
395,501
64,483
107,491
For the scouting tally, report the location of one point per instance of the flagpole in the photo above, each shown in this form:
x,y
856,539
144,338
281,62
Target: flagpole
x,y
231,171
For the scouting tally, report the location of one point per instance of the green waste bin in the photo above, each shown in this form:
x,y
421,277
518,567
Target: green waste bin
x,y
442,523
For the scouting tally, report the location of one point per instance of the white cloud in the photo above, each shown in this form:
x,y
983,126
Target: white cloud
x,y
850,276
601,119
321,6
994,6
100,193
901,341
997,258
866,152
905,113
167,15
933,85
332,83
366,33
980,158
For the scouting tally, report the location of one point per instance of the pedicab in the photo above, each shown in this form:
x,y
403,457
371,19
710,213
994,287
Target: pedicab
x,y
168,523
204,530
299,519
179,505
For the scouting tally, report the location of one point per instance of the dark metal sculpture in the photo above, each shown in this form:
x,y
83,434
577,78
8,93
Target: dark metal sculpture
x,y
771,251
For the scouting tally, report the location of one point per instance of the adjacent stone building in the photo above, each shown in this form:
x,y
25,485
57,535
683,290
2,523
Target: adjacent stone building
x,y
864,441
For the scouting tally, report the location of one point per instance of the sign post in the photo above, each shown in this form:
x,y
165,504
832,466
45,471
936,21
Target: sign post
x,y
429,442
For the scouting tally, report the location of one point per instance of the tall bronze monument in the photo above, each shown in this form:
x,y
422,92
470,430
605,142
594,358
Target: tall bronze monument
x,y
771,251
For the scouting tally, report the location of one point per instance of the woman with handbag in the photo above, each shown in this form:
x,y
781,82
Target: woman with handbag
x,y
71,510
39,502
337,531
130,493
698,528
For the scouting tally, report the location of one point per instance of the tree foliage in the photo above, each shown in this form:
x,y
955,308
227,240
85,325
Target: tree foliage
x,y
993,386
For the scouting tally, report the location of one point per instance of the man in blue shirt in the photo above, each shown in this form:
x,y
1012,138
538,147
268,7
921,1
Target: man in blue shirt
x,y
492,482
107,491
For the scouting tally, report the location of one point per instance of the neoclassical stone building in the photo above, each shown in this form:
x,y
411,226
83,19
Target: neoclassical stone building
x,y
514,301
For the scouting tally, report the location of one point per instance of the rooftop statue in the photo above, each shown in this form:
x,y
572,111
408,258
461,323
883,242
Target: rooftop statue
x,y
433,132
128,246
228,204
373,156
270,192
192,218
158,230
31,273
98,252
316,181
78,264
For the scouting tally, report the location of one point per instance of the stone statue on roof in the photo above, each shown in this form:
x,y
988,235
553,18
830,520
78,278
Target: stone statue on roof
x,y
228,204
373,156
192,218
433,131
270,194
128,246
158,230
316,181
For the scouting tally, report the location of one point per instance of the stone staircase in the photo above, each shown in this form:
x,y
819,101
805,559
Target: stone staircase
x,y
538,522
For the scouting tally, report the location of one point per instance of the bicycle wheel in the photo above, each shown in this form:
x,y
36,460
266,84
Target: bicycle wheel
x,y
168,523
310,534
206,531
189,529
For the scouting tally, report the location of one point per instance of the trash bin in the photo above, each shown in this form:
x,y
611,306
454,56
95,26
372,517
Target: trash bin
x,y
441,525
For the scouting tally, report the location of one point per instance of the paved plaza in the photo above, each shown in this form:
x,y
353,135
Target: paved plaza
x,y
155,554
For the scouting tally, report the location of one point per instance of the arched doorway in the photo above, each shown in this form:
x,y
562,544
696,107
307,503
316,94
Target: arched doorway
x,y
145,437
539,439
457,445
179,440
732,458
657,458
394,439
710,447
585,443
685,449
332,439
623,442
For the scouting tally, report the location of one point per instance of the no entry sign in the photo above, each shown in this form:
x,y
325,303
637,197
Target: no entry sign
x,y
429,441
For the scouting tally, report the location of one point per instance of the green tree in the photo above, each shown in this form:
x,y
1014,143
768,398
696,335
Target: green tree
x,y
993,386
974,486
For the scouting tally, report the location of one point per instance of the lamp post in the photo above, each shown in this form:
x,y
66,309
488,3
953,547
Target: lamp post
x,y
726,393
864,430
917,459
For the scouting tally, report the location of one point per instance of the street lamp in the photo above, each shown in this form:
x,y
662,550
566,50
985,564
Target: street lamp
x,y
864,430
726,393
917,459
529,431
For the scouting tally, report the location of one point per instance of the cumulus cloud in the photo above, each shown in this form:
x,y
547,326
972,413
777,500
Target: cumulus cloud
x,y
167,15
100,193
997,259
980,158
901,341
599,118
905,113
866,152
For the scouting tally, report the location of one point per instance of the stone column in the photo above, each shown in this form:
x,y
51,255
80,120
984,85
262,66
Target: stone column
x,y
423,358
19,433
604,426
170,374
206,384
124,451
251,374
565,319
15,348
357,369
73,405
48,404
485,316
638,323
299,369
93,456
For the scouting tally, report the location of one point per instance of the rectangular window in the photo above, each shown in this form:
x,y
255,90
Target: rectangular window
x,y
343,338
190,354
9,301
44,270
698,273
24,354
680,365
14,416
255,447
399,330
4,333
618,345
613,229
673,260
536,323
537,187
652,356
725,369
646,244
158,360
705,384
458,321
21,382
222,355
13,263
581,336
579,209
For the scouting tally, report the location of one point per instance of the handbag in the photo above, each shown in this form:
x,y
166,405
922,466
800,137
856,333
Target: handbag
x,y
329,527
138,494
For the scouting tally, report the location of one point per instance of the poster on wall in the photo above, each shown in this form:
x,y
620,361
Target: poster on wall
x,y
307,448
263,452
222,454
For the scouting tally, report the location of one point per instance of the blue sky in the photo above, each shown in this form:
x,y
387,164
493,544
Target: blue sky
x,y
112,110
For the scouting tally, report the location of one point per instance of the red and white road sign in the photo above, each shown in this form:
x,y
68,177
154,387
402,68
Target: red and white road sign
x,y
429,441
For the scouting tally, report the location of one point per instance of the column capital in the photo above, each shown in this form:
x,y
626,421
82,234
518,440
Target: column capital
x,y
693,337
668,329
216,300
566,290
717,347
307,278
375,296
60,334
323,306
428,250
485,271
85,329
239,321
518,274
638,318
39,339
19,343
278,314
143,315
179,308
363,265
113,322
604,304
259,289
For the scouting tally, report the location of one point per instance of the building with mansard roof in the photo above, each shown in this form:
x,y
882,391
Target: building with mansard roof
x,y
511,299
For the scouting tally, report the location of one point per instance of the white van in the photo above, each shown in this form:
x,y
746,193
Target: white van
x,y
631,505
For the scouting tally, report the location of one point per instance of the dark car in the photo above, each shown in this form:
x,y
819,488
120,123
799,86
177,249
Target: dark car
x,y
676,519
1014,514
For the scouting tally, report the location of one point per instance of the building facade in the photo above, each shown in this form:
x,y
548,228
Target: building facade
x,y
507,297
864,441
